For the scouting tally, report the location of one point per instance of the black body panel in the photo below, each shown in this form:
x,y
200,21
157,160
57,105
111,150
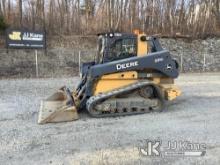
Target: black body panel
x,y
85,67
159,61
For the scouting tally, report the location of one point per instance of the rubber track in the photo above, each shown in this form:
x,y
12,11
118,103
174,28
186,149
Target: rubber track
x,y
91,102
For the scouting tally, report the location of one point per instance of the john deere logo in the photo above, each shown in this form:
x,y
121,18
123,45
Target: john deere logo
x,y
15,36
126,65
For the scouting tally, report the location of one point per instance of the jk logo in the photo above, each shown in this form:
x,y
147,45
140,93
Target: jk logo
x,y
15,36
152,148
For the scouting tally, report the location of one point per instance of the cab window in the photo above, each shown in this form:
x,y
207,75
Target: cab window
x,y
123,48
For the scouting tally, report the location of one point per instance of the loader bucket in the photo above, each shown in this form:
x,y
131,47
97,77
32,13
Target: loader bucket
x,y
56,108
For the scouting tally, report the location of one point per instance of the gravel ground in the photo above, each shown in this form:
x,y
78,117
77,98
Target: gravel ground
x,y
194,117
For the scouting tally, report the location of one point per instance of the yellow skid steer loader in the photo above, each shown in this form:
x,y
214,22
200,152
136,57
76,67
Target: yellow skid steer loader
x,y
131,74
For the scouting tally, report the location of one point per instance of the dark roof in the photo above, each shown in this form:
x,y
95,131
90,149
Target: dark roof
x,y
115,34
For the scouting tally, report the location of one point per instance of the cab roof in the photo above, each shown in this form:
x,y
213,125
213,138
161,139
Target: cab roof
x,y
115,34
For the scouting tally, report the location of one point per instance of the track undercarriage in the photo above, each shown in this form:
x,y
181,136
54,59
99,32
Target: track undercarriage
x,y
138,98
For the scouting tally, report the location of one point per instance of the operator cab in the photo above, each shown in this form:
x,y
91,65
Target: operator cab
x,y
115,46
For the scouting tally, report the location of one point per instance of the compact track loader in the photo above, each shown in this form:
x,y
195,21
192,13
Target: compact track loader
x,y
131,74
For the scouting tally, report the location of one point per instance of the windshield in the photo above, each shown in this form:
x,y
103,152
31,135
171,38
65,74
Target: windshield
x,y
122,48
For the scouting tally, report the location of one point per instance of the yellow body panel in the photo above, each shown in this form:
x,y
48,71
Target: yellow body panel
x,y
170,91
114,81
118,80
142,48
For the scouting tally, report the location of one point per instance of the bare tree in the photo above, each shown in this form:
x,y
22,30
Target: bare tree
x,y
216,12
197,18
20,12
